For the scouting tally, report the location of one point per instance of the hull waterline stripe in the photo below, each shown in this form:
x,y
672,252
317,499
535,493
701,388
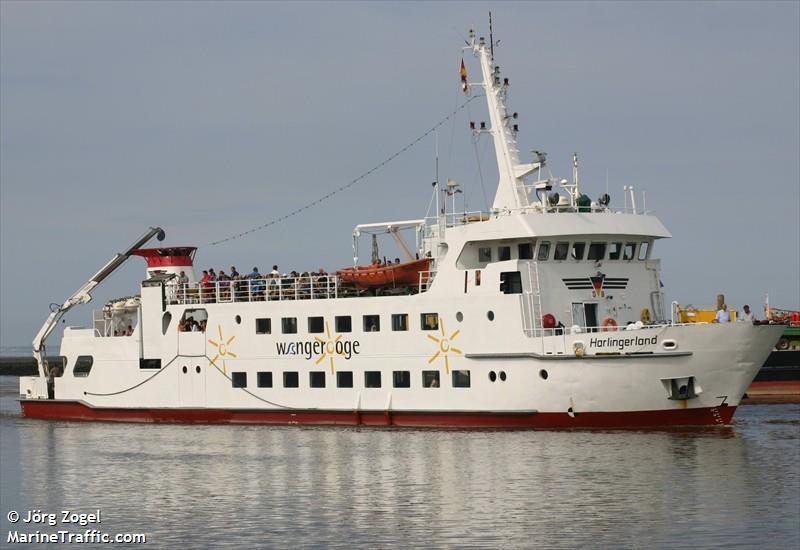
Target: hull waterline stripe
x,y
73,410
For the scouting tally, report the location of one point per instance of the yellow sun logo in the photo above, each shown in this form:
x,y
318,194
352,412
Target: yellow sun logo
x,y
222,349
445,346
328,347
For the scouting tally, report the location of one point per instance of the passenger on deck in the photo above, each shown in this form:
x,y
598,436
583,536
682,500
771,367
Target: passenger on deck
x,y
275,272
129,332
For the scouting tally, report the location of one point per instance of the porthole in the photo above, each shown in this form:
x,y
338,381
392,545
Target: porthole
x,y
185,370
492,375
490,315
238,319
543,374
669,344
459,316
197,368
503,375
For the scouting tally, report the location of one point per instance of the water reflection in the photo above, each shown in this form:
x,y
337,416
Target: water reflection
x,y
237,486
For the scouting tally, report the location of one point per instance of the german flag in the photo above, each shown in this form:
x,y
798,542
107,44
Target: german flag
x,y
463,72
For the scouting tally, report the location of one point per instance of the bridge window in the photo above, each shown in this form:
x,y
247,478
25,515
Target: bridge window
x,y
484,255
372,323
289,325
239,379
400,321
614,251
504,253
372,379
544,251
429,321
401,379
430,379
83,365
597,251
561,251
460,378
316,325
578,250
525,251
316,379
630,251
344,379
344,323
264,326
264,380
644,250
511,282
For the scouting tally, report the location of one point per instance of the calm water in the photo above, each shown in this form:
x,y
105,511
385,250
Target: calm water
x,y
258,486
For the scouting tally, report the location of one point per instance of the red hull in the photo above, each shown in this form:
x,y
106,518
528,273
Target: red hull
x,y
406,274
73,410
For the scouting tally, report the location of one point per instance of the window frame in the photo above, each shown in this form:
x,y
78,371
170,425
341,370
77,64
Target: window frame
x,y
268,323
366,319
543,250
396,322
343,323
316,329
291,322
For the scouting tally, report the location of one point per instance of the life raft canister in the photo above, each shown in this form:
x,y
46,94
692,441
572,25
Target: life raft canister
x,y
609,324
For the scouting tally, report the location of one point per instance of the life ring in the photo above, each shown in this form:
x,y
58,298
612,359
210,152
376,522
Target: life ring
x,y
783,344
609,324
645,316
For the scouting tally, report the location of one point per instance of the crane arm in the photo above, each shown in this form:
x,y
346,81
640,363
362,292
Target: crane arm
x,y
84,295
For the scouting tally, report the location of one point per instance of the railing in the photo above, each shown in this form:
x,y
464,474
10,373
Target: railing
x,y
426,279
318,287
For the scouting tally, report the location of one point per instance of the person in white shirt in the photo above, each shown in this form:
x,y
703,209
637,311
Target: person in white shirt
x,y
722,315
747,315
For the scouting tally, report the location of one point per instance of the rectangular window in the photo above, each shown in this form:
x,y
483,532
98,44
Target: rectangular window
x,y
429,321
544,251
291,380
316,325
578,249
372,323
400,321
597,251
484,255
401,379
525,251
264,380
504,253
344,323
316,379
149,363
344,379
430,379
460,378
630,251
511,282
83,365
614,251
644,249
239,379
289,325
562,249
372,379
263,326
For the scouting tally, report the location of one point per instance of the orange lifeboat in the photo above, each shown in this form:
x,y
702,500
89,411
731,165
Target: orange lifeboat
x,y
385,276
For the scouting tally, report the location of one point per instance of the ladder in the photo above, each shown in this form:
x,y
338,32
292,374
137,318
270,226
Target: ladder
x,y
531,301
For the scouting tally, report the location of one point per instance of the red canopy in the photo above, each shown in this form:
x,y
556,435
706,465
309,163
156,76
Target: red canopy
x,y
172,256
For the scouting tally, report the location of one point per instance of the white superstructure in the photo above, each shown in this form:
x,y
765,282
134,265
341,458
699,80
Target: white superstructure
x,y
546,312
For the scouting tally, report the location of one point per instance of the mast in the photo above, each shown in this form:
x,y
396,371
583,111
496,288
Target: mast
x,y
511,193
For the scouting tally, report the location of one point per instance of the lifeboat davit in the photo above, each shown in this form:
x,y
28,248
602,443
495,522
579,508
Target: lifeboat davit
x,y
385,276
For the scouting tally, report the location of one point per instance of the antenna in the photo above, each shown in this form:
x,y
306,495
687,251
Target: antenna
x,y
491,39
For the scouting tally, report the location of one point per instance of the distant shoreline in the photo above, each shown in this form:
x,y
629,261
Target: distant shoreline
x,y
18,366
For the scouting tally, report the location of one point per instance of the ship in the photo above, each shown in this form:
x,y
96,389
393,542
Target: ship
x,y
546,312
778,380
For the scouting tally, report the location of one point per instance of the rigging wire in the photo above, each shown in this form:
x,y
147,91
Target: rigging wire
x,y
363,176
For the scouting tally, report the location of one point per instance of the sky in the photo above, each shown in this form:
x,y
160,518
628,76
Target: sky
x,y
208,119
